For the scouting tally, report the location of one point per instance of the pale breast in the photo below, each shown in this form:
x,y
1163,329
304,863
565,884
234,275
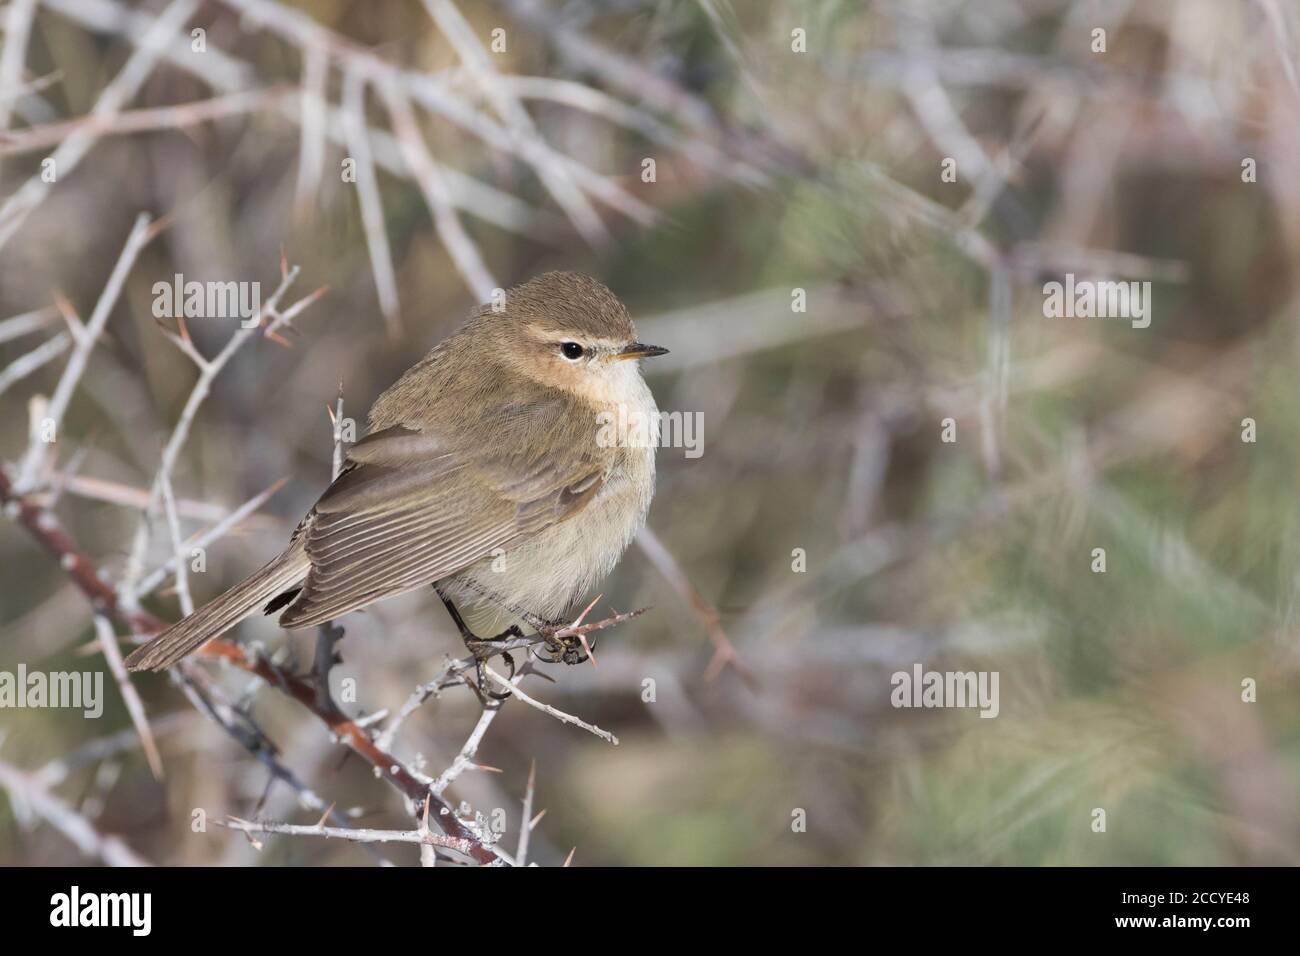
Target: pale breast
x,y
547,574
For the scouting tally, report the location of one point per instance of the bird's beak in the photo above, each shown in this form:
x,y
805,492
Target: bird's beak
x,y
638,350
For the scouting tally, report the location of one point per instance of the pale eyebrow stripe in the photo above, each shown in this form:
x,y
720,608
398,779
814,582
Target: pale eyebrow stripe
x,y
550,335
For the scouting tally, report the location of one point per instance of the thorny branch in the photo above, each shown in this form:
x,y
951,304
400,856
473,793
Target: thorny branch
x,y
47,531
45,528
28,494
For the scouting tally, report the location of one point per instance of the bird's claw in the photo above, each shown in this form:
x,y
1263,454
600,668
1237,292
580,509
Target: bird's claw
x,y
483,651
568,650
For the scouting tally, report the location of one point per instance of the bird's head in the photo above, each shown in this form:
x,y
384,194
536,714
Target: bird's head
x,y
568,331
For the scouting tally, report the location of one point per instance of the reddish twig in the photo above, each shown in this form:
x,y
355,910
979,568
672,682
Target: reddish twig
x,y
724,652
44,527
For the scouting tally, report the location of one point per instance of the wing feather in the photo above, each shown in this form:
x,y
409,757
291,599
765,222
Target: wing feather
x,y
412,507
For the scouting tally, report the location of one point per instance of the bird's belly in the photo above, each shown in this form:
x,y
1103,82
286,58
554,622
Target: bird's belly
x,y
545,575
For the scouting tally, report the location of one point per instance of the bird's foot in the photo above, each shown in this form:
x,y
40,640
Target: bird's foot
x,y
484,649
563,648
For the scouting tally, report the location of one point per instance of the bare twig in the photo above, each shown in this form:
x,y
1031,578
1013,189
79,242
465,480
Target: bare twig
x,y
53,810
452,673
28,322
558,714
229,75
372,212
354,835
526,821
129,496
311,147
34,360
142,120
557,179
134,706
301,29
620,72
46,530
139,237
57,771
724,653
114,96
468,261
268,320
228,522
18,28
174,527
465,759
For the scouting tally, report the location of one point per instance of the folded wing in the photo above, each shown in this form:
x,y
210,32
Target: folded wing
x,y
410,509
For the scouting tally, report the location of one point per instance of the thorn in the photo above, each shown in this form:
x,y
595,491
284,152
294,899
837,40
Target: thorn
x,y
68,311
542,674
257,845
158,226
717,664
586,611
326,815
569,859
313,297
537,819
587,647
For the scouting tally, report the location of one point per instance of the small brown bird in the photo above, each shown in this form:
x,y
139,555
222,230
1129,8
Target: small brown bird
x,y
487,472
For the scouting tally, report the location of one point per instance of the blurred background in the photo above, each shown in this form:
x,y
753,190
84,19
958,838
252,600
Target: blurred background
x,y
919,170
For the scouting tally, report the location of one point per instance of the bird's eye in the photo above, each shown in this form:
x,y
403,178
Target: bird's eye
x,y
571,351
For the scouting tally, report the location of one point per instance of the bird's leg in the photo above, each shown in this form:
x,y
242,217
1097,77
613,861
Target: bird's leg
x,y
476,646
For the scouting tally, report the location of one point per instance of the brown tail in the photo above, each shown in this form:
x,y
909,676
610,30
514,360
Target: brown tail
x,y
221,613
